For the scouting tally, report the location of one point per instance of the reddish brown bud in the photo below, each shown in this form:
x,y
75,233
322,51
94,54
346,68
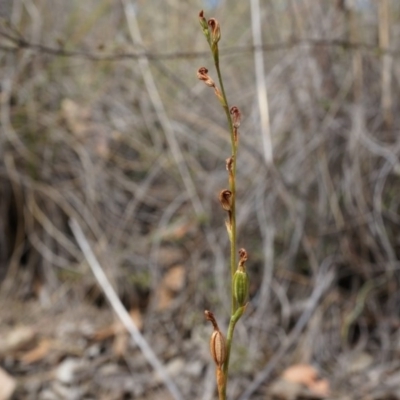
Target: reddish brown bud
x,y
202,20
242,257
229,164
204,25
236,116
215,30
225,198
202,74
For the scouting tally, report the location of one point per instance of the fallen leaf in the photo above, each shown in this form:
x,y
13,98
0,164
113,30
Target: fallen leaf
x,y
284,390
172,282
300,373
117,327
307,376
37,353
174,279
164,298
17,339
7,385
120,344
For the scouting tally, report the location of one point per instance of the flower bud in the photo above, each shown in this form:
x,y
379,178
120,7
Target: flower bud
x,y
225,198
242,257
236,116
241,286
202,20
229,164
204,25
202,74
215,30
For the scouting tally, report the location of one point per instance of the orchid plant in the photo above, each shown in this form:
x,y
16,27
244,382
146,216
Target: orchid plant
x,y
220,346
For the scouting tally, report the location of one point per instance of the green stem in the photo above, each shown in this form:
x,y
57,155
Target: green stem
x,y
234,318
228,353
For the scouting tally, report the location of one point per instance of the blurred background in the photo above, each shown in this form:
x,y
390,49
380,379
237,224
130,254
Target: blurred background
x,y
103,121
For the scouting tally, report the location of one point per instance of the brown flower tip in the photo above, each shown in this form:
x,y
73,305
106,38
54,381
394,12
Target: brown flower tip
x,y
215,30
202,74
242,257
236,116
203,23
210,317
225,198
